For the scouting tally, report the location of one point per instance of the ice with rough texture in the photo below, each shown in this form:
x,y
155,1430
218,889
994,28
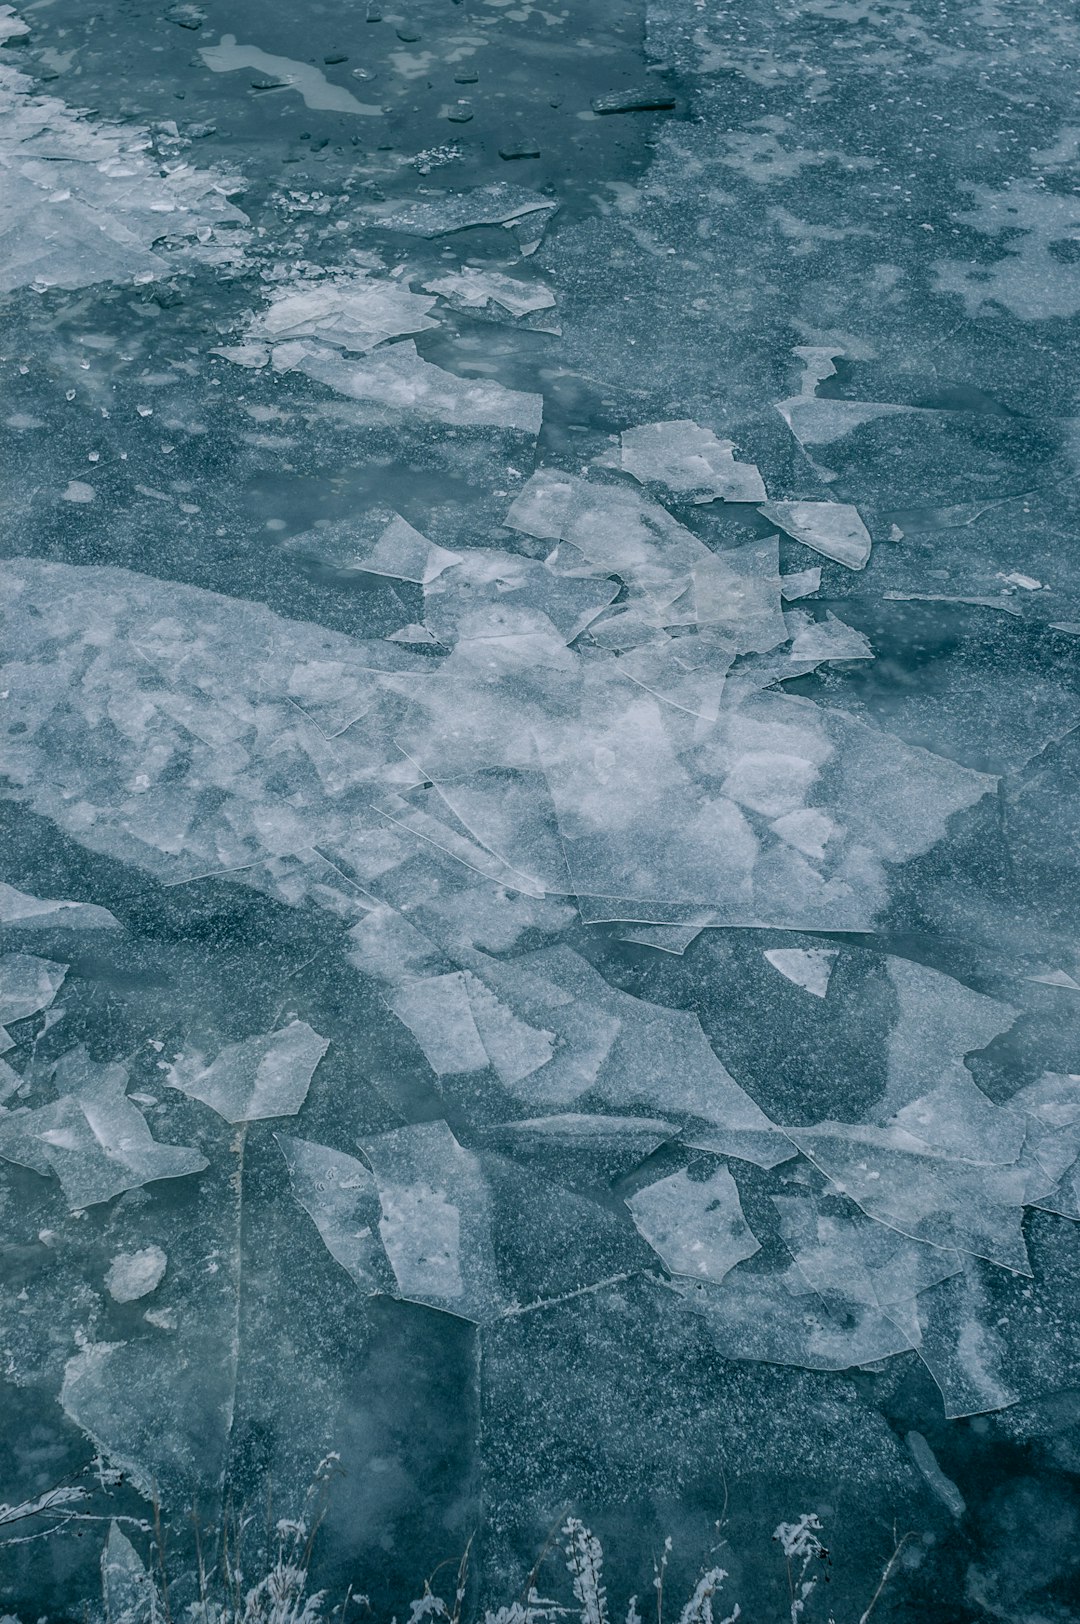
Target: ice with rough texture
x,y
135,1274
696,1226
27,984
808,967
92,1137
264,1076
339,1193
690,461
349,313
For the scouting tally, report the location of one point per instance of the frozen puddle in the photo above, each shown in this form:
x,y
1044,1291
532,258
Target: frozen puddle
x,y
312,86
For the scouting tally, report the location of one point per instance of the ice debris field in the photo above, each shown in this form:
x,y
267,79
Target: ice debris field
x,y
539,878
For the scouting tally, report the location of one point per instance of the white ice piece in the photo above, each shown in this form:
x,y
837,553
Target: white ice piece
x,y
696,1226
808,967
27,984
353,313
92,1137
263,1076
831,528
690,461
136,1274
20,909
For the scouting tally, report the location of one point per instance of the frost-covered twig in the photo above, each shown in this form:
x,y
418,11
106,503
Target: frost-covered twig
x,y
585,1564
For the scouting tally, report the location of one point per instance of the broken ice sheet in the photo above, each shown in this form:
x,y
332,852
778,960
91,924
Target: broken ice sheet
x,y
435,1222
473,288
696,1226
264,1076
27,984
461,1026
522,211
396,379
135,1274
20,910
845,1257
758,1318
129,1593
87,202
379,542
828,639
350,313
339,1193
690,461
92,1137
831,528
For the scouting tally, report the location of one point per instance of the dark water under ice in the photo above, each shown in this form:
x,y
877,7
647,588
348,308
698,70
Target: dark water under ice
x,y
539,825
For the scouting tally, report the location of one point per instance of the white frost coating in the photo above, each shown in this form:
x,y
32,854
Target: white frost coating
x,y
92,1137
398,380
135,1274
27,985
338,1192
88,201
690,461
265,1076
696,1226
20,909
831,528
350,313
808,967
303,77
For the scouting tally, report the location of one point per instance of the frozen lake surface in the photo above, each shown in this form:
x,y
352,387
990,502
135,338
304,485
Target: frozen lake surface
x,y
539,843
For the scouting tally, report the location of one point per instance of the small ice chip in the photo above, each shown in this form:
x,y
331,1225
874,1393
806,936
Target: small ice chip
x,y
77,491
808,967
135,1274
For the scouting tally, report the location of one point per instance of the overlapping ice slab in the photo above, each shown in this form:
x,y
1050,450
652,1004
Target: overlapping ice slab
x,y
264,1076
92,1137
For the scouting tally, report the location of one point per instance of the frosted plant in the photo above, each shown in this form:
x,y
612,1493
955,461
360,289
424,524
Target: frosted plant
x,y
585,1563
801,1546
698,1609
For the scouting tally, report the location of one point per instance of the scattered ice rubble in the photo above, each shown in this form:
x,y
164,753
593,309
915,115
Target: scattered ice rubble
x,y
86,201
599,724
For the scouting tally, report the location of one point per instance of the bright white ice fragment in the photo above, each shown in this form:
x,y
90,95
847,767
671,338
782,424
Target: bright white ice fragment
x,y
475,289
77,490
690,461
303,77
135,1274
696,1226
265,1076
808,967
436,1220
831,528
398,380
350,313
18,908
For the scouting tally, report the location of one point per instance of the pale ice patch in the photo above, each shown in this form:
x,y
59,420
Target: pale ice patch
x,y
264,1076
690,461
20,909
307,80
808,967
92,1137
834,529
696,1226
135,1274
